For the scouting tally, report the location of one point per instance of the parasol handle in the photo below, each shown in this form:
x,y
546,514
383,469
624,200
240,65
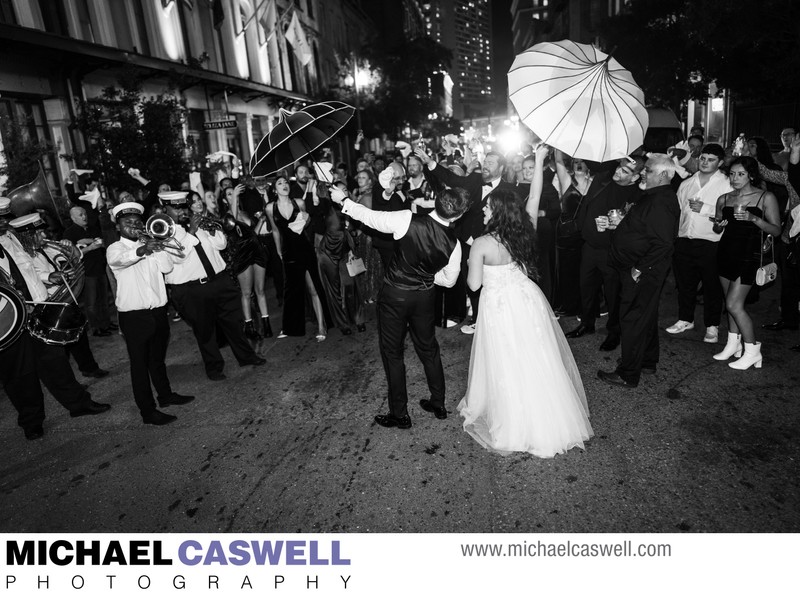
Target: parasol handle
x,y
610,54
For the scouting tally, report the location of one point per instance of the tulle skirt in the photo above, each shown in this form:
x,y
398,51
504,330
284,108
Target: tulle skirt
x,y
524,393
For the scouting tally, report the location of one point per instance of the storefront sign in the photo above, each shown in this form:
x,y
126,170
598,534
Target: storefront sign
x,y
219,125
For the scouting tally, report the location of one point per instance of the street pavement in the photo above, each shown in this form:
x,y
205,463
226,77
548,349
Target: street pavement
x,y
291,446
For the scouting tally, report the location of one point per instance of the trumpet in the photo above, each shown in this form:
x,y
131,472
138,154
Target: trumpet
x,y
161,228
209,223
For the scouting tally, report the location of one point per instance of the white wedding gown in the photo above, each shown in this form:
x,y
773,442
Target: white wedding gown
x,y
524,393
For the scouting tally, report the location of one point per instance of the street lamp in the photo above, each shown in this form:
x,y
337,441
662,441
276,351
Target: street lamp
x,y
358,78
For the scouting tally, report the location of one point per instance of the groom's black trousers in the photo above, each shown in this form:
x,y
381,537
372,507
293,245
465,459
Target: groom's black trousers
x,y
400,311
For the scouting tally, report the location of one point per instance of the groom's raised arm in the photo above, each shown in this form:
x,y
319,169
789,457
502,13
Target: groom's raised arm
x,y
396,223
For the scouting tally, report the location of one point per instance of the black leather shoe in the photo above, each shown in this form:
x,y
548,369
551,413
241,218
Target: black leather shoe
x,y
390,421
96,373
113,326
361,327
610,343
35,432
158,418
580,331
614,379
90,408
174,398
267,328
216,376
648,370
795,348
257,362
102,333
346,331
440,413
778,326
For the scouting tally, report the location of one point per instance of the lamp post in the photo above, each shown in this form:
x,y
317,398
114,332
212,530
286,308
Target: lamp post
x,y
355,87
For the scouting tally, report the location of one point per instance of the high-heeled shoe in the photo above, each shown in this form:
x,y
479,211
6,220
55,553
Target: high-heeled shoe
x,y
267,327
250,331
733,347
752,356
321,336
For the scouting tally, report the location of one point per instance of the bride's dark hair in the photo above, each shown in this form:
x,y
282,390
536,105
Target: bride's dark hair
x,y
512,227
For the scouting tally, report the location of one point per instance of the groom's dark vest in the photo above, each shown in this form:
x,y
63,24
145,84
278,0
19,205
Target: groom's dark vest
x,y
422,252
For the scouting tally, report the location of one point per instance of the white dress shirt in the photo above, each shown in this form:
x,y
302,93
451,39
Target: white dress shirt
x,y
190,268
397,223
25,264
490,188
140,279
697,225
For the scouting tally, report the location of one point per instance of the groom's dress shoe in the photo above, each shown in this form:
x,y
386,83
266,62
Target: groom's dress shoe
x,y
439,412
610,343
90,407
390,421
614,379
580,331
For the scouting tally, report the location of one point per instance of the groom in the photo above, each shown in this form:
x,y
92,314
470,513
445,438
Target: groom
x,y
426,252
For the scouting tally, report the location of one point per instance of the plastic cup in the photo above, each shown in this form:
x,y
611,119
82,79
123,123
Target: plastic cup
x,y
602,223
740,208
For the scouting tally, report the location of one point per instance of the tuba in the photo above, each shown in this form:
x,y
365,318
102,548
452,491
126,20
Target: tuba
x,y
34,196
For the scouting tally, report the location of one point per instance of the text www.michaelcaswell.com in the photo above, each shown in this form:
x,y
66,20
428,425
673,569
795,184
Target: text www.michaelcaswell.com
x,y
567,549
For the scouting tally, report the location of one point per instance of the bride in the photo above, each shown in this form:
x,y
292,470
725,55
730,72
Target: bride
x,y
524,392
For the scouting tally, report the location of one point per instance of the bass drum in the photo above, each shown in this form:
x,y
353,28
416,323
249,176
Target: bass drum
x,y
57,324
13,315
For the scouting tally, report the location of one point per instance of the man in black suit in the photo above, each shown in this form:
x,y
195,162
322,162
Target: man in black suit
x,y
608,192
641,252
469,227
426,252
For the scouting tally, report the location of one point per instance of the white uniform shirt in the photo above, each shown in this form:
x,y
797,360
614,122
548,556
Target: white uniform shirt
x,y
25,264
697,225
140,279
397,223
191,267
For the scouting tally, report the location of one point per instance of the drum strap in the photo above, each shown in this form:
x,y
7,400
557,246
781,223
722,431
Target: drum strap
x,y
19,280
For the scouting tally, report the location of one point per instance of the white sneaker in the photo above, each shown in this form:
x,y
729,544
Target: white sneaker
x,y
680,326
468,328
712,334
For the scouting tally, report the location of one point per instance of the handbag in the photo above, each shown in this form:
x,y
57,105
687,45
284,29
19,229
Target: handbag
x,y
355,265
766,274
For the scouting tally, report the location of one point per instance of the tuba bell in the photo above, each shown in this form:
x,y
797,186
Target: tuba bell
x,y
34,196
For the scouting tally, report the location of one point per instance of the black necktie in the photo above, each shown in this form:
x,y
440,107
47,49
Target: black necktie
x,y
204,259
16,274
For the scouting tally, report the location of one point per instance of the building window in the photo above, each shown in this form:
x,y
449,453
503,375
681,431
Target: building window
x,y
138,11
84,20
310,8
54,17
29,116
7,16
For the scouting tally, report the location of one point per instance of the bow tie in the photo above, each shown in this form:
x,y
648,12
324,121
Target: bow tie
x,y
487,185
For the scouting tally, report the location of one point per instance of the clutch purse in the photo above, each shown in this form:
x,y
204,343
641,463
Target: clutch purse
x,y
769,272
355,266
299,223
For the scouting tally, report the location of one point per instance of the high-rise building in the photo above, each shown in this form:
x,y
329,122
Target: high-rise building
x,y
465,28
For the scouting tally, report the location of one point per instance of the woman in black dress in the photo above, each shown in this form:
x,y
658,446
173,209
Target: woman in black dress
x,y
543,205
574,180
248,261
745,217
288,219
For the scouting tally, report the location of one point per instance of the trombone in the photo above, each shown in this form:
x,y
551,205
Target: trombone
x,y
161,228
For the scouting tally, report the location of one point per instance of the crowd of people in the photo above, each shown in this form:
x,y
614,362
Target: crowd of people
x,y
535,236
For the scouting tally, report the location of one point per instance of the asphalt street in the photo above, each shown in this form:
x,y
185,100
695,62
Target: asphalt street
x,y
291,446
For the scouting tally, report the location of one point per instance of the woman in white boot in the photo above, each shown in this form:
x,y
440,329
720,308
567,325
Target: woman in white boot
x,y
745,217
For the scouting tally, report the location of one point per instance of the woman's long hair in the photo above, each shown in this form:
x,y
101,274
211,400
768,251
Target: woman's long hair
x,y
512,227
764,153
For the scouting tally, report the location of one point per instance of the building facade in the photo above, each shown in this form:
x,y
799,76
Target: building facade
x,y
236,61
465,28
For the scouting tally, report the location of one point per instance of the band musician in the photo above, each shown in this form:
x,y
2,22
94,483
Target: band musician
x,y
139,267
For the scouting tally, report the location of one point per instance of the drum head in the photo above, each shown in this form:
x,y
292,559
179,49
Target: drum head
x,y
13,316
